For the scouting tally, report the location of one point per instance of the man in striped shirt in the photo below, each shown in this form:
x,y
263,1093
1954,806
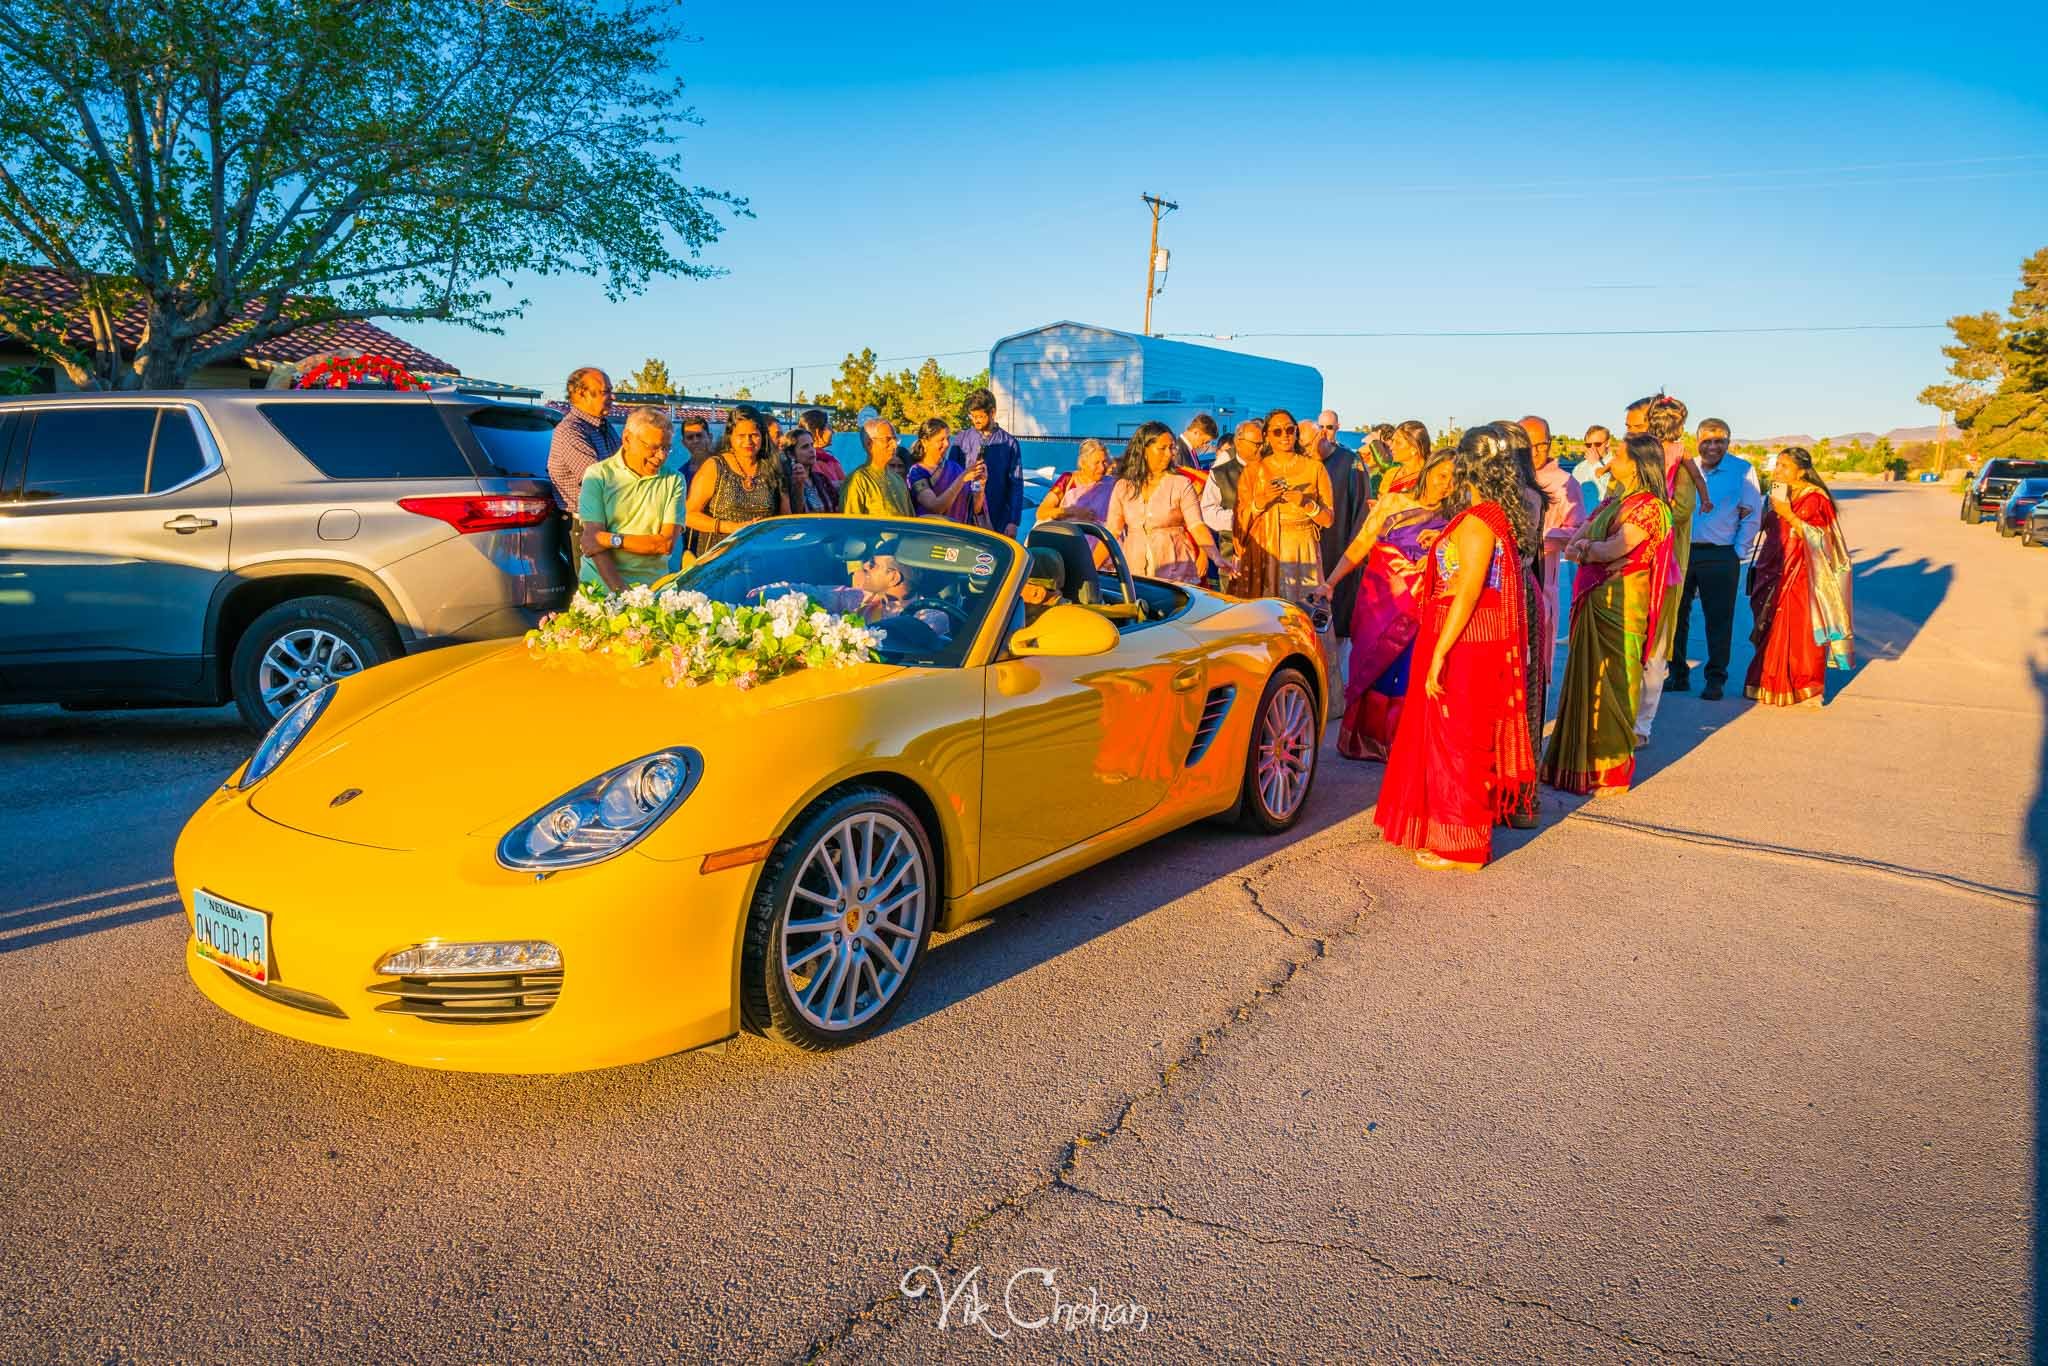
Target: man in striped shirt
x,y
581,439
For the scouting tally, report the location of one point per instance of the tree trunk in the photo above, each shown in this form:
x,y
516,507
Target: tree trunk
x,y
160,362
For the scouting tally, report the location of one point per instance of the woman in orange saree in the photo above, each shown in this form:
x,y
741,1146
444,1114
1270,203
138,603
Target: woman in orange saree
x,y
1624,558
1799,589
1462,761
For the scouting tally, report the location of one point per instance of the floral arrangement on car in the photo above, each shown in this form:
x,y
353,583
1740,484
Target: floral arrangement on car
x,y
702,641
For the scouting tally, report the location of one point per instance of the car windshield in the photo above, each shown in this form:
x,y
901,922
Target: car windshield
x,y
924,586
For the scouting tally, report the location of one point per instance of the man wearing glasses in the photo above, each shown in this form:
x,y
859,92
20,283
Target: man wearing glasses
x,y
581,439
1591,473
1721,541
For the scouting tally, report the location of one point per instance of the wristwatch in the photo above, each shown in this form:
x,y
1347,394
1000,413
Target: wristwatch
x,y
618,541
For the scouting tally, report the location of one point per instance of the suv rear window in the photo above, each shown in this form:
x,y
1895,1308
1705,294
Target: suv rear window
x,y
88,452
2016,469
515,439
350,439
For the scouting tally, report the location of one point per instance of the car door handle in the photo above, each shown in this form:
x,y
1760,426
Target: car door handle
x,y
187,524
1186,679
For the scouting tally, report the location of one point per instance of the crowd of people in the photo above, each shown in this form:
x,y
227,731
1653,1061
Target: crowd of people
x,y
1454,570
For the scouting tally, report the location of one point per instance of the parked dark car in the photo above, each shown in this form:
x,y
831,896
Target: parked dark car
x,y
1983,493
2012,514
207,545
2034,528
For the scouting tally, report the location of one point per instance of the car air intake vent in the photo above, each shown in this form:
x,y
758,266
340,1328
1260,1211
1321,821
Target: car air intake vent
x,y
471,1000
289,996
1213,712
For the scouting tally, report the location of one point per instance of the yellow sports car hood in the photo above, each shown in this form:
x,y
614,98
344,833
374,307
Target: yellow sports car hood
x,y
479,748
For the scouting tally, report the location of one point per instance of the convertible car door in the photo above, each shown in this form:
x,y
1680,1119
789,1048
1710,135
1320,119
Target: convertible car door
x,y
1074,747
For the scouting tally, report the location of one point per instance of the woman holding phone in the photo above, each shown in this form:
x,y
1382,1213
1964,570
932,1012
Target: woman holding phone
x,y
1283,508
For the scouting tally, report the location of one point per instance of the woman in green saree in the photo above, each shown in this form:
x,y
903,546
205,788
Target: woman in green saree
x,y
1624,558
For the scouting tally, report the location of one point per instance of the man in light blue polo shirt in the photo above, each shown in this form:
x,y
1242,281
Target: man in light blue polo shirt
x,y
1721,541
629,509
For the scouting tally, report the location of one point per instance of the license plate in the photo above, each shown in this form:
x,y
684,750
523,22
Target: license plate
x,y
233,936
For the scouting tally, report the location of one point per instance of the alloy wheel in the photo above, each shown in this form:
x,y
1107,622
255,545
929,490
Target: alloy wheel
x,y
300,663
1286,753
854,922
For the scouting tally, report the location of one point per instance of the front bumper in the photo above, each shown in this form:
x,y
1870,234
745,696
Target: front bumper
x,y
649,948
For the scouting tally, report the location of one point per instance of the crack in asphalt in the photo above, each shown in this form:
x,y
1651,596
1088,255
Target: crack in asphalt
x,y
1195,1051
1990,891
1505,1298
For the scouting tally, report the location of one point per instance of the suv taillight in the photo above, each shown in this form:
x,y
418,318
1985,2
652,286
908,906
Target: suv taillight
x,y
484,511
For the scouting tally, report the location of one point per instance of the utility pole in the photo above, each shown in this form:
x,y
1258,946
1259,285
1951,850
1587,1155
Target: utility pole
x,y
1158,206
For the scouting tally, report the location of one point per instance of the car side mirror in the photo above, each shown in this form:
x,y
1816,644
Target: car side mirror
x,y
1065,632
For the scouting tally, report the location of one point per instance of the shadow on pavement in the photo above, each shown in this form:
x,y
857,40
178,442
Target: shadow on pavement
x,y
1895,597
2037,853
1105,898
26,927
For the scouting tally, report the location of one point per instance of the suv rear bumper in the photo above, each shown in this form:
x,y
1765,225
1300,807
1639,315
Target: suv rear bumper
x,y
493,625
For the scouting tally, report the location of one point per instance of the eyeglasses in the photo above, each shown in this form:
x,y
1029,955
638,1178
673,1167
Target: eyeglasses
x,y
1596,445
1280,431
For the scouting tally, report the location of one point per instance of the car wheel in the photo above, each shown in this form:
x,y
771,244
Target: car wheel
x,y
2027,534
298,647
840,921
2004,526
1280,762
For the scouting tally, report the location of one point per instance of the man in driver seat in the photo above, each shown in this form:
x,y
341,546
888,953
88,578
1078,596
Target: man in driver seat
x,y
881,587
1042,582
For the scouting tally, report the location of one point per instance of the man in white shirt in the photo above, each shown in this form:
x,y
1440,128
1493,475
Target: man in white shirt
x,y
1219,494
1721,541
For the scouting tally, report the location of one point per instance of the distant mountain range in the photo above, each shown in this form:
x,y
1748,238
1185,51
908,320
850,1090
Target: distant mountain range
x,y
1898,436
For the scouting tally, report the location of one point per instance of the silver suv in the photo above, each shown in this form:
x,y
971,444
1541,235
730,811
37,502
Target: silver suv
x,y
176,549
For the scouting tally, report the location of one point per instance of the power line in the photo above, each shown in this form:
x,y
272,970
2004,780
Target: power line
x,y
1589,332
831,364
1706,176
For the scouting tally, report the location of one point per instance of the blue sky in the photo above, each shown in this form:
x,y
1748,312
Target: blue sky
x,y
925,181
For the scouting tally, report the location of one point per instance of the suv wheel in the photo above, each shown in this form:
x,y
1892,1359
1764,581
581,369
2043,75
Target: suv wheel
x,y
300,646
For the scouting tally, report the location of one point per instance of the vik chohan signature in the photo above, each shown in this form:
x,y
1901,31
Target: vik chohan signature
x,y
1031,1300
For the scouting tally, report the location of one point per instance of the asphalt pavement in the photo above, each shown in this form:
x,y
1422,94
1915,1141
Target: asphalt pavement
x,y
1735,1068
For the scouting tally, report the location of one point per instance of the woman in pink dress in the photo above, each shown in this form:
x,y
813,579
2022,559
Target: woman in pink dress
x,y
1082,494
1156,513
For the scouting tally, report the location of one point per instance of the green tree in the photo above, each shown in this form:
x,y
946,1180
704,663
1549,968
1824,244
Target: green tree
x,y
239,169
651,378
1999,371
905,397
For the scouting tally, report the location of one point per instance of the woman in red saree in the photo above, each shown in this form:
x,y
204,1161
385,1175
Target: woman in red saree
x,y
1391,552
1799,589
1624,557
1462,759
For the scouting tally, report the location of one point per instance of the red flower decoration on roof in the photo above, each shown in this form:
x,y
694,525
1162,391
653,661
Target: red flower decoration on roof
x,y
358,372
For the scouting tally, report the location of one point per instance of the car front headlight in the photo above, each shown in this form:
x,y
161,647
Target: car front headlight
x,y
603,816
284,736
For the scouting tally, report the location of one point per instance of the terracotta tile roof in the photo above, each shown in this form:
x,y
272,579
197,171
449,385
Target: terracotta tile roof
x,y
41,285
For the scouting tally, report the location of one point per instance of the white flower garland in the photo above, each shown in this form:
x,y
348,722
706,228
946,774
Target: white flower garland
x,y
703,641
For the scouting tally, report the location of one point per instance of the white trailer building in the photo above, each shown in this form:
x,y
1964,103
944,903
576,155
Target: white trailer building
x,y
1073,379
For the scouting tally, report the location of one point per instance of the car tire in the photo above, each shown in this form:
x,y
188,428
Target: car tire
x,y
2004,527
1280,758
301,645
2027,534
787,976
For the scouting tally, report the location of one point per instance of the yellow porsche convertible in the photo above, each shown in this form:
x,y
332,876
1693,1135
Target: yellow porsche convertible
x,y
496,857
